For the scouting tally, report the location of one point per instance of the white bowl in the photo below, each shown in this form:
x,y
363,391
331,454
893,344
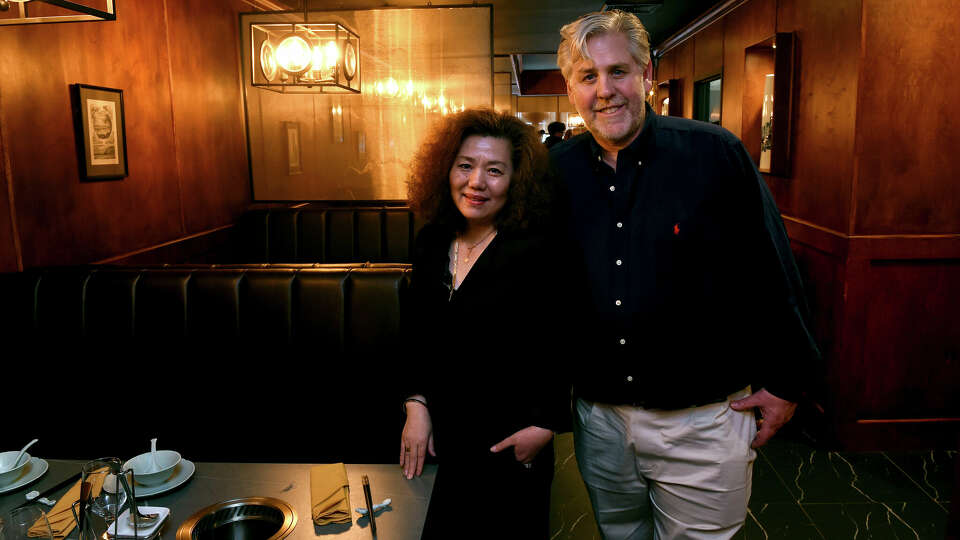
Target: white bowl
x,y
6,459
144,471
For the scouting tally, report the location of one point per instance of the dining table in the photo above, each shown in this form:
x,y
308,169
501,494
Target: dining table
x,y
211,483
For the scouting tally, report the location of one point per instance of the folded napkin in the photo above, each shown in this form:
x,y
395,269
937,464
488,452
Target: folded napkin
x,y
330,494
60,516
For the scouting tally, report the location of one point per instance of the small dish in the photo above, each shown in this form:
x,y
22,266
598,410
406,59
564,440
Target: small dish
x,y
143,469
34,470
6,459
122,527
181,474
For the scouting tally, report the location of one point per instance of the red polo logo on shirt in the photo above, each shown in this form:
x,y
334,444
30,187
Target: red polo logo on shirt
x,y
676,229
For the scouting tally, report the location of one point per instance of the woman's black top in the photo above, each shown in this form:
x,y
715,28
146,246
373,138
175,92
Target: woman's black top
x,y
493,352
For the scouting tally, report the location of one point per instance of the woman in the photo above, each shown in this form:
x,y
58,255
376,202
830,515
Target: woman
x,y
489,314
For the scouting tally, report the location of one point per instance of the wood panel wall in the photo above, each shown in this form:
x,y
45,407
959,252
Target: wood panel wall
x,y
907,132
178,66
871,205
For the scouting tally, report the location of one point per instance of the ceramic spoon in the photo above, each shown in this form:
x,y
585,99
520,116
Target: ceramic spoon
x,y
153,454
20,455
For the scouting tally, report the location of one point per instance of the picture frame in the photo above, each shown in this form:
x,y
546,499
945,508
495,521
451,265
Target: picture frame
x,y
294,149
100,132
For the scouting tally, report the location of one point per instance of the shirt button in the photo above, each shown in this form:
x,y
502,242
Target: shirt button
x,y
618,302
629,378
613,188
619,262
619,225
639,163
623,341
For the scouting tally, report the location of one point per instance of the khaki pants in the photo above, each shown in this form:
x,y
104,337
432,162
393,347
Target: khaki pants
x,y
682,474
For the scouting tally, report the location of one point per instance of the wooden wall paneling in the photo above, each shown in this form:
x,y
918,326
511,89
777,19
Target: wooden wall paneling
x,y
665,67
62,220
821,258
907,179
751,22
708,52
822,275
911,364
683,71
845,370
825,110
9,256
208,111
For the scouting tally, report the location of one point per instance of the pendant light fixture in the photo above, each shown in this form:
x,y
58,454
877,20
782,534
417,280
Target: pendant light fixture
x,y
305,57
70,12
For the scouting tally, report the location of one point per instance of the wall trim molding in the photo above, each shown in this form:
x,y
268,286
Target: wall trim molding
x,y
873,246
713,15
169,243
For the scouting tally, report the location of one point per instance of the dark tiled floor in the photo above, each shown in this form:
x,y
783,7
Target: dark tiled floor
x,y
803,493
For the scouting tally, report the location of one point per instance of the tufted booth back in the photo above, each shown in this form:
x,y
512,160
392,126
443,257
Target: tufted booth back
x,y
342,308
331,235
213,353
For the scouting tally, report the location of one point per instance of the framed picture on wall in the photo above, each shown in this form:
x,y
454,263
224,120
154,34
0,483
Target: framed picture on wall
x,y
101,135
294,157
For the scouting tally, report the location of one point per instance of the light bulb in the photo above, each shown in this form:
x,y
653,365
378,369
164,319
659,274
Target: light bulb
x,y
294,55
331,55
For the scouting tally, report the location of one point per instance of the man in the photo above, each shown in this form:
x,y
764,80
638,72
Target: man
x,y
695,297
555,129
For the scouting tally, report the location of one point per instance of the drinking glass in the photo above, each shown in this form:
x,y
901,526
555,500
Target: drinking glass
x,y
94,500
25,522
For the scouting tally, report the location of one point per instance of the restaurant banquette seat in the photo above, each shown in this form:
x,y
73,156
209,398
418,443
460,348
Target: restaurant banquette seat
x,y
322,235
255,362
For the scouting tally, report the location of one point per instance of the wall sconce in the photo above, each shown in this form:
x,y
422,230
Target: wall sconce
x,y
76,12
304,58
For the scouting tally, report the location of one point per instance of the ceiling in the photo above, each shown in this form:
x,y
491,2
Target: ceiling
x,y
526,33
532,26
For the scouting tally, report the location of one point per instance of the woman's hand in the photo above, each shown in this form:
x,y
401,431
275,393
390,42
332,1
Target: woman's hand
x,y
526,443
416,440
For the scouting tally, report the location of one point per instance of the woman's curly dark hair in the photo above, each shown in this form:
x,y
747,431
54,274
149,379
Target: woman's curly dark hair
x,y
428,185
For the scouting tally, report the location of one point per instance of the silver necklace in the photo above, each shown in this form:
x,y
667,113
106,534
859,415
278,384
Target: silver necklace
x,y
456,258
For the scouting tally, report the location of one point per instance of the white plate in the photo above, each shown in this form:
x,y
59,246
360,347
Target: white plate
x,y
181,474
34,469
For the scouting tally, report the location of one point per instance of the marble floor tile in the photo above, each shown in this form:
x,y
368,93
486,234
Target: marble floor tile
x,y
571,516
778,521
931,470
768,487
815,476
868,521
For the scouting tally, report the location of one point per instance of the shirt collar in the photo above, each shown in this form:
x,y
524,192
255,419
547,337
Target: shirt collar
x,y
644,140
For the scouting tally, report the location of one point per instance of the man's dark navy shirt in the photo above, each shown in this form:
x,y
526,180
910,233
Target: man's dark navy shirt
x,y
694,290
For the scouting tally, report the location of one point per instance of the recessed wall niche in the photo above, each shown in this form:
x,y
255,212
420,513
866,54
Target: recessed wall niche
x,y
768,80
416,66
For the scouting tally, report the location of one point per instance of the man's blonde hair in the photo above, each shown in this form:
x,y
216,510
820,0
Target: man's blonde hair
x,y
573,46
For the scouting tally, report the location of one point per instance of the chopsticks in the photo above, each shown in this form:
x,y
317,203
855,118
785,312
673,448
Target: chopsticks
x,y
63,483
369,498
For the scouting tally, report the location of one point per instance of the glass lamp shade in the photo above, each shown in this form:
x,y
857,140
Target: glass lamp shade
x,y
294,55
350,61
268,61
